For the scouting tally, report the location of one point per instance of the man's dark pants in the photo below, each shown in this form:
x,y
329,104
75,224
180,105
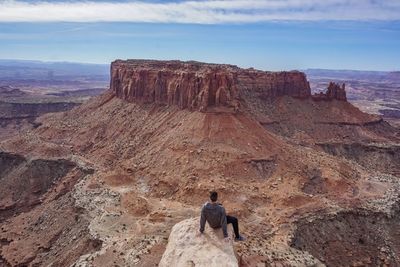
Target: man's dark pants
x,y
235,224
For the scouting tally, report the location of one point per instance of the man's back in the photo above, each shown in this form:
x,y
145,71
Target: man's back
x,y
215,215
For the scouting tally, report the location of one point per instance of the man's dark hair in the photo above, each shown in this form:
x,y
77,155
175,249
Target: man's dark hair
x,y
213,196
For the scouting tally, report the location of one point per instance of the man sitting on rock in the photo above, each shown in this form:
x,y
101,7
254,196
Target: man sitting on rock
x,y
215,215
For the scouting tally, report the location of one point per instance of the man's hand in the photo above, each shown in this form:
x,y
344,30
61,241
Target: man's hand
x,y
227,239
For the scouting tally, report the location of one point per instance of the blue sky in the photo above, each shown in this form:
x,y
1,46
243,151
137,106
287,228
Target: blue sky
x,y
266,34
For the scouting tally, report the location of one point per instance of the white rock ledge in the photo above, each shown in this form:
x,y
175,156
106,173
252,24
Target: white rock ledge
x,y
186,249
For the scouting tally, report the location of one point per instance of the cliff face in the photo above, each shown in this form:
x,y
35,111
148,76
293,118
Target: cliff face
x,y
187,85
197,85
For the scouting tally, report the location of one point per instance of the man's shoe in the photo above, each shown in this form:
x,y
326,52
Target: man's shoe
x,y
240,238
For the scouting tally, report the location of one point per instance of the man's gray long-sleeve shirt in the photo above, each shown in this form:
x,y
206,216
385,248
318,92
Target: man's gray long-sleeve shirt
x,y
215,215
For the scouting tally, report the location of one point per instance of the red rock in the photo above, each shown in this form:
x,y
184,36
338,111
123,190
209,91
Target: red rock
x,y
196,85
335,91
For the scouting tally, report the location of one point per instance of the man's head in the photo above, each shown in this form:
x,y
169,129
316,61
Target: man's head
x,y
213,196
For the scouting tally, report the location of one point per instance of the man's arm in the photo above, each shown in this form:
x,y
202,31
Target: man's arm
x,y
223,222
202,220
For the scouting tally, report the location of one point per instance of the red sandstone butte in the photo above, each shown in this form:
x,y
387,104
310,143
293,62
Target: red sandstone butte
x,y
196,85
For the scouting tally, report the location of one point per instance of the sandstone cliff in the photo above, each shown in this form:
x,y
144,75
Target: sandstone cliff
x,y
197,85
186,249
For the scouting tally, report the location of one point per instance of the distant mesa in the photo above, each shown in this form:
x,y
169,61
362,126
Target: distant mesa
x,y
198,86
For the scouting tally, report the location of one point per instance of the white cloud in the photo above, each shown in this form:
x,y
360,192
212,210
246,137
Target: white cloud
x,y
202,11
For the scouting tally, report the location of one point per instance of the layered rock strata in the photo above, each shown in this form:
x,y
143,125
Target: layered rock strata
x,y
195,85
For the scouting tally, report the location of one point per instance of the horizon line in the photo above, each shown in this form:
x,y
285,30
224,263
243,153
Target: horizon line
x,y
238,65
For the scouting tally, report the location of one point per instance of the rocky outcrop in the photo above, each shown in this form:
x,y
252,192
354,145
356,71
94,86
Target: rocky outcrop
x,y
185,248
196,85
334,91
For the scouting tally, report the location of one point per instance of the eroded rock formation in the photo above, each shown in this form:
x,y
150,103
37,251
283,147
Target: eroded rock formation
x,y
334,91
197,85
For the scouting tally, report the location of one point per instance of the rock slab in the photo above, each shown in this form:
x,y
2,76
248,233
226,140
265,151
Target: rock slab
x,y
185,248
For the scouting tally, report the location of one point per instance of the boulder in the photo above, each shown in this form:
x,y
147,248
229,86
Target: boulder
x,y
185,248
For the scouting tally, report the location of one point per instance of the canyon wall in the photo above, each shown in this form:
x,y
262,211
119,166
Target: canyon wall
x,y
197,86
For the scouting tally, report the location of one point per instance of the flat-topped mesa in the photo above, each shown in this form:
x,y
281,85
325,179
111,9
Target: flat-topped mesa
x,y
185,84
334,91
196,85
